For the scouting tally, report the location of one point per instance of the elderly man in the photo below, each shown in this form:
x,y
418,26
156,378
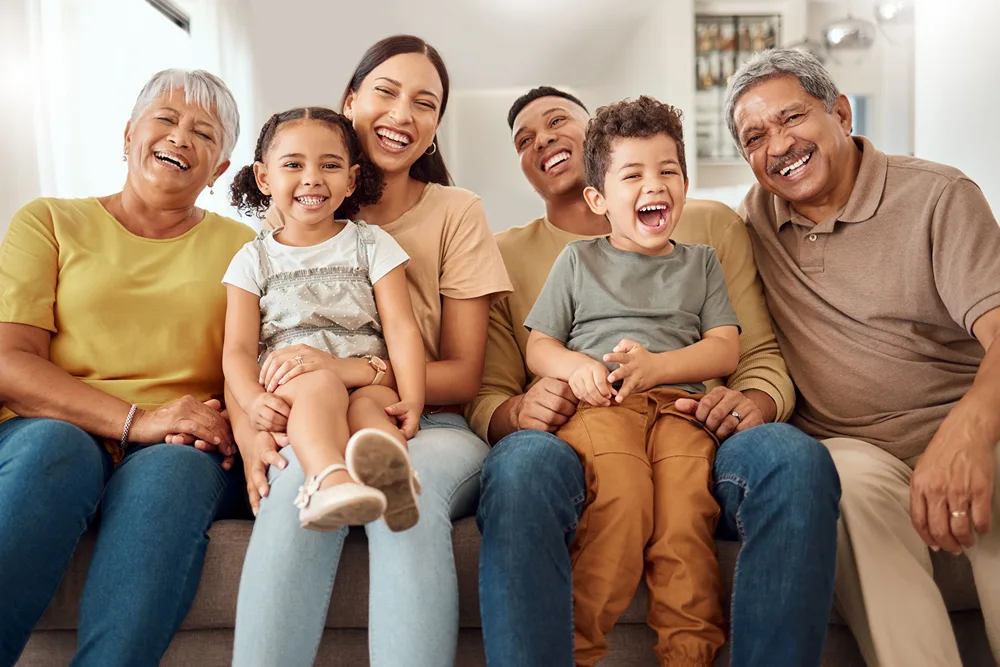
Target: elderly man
x,y
882,275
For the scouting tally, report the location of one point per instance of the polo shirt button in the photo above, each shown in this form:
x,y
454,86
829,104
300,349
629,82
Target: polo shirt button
x,y
812,237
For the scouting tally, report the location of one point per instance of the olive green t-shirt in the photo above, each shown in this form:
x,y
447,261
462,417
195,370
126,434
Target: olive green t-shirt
x,y
596,295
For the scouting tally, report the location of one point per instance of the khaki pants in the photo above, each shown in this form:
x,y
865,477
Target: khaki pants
x,y
885,587
649,508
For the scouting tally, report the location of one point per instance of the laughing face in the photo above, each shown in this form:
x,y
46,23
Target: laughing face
x,y
644,193
173,148
307,173
797,149
396,111
548,136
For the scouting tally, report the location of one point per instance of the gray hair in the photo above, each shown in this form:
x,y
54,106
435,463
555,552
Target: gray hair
x,y
766,65
202,88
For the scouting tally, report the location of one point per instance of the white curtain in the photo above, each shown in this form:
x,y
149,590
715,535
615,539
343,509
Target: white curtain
x,y
90,58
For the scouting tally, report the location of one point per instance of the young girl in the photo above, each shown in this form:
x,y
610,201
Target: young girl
x,y
395,99
312,282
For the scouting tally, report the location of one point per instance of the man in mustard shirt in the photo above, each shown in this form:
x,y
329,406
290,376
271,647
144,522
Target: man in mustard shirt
x,y
777,487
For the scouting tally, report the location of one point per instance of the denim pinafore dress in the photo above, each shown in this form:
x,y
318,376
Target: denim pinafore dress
x,y
331,308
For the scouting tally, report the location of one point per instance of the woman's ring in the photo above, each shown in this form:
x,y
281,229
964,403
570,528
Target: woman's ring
x,y
298,359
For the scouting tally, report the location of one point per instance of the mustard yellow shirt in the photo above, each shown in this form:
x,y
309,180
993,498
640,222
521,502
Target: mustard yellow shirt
x,y
530,251
140,319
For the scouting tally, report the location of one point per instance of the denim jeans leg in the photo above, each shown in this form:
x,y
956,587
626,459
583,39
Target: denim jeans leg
x,y
151,543
413,610
287,579
533,490
51,480
779,493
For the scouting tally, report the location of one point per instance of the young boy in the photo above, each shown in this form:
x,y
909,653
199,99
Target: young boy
x,y
632,322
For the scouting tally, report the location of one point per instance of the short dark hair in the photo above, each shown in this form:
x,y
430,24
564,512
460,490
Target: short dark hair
x,y
641,118
427,168
246,195
535,93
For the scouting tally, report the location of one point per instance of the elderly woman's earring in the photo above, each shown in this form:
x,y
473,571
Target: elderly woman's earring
x,y
211,190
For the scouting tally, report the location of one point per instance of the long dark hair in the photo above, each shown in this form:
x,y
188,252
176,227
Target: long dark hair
x,y
427,168
247,197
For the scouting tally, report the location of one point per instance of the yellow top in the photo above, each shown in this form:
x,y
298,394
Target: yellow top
x,y
530,251
141,319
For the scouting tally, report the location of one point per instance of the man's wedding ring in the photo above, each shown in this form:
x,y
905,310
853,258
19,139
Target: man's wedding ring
x,y
737,415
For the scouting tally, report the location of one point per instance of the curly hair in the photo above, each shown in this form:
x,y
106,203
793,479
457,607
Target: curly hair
x,y
641,118
247,197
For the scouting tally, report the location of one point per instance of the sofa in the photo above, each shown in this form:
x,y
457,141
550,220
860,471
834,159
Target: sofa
x,y
205,639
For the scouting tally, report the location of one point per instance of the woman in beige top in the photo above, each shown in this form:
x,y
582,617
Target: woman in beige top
x,y
395,99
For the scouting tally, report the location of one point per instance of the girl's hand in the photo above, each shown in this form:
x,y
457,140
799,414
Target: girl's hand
x,y
589,383
269,412
407,415
288,362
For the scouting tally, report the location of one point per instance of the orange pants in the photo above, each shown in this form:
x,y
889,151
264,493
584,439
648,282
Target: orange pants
x,y
649,508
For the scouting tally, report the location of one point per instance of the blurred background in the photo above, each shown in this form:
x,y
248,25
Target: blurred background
x,y
922,76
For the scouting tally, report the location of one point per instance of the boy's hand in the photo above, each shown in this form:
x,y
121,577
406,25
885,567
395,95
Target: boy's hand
x,y
269,412
407,415
589,382
636,367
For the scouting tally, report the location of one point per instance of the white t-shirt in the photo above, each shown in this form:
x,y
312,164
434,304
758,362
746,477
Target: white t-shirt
x,y
342,250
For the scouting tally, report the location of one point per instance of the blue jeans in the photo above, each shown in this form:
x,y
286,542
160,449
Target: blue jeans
x,y
155,509
779,494
289,572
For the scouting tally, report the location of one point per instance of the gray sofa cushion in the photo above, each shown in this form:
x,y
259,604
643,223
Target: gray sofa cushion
x,y
215,604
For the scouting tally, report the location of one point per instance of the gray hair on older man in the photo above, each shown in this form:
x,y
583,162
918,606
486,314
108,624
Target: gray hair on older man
x,y
202,88
766,65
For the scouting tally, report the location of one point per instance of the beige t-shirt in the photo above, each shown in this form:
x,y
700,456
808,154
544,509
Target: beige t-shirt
x,y
452,253
874,307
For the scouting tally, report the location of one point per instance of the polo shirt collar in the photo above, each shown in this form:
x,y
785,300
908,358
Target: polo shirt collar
x,y
867,192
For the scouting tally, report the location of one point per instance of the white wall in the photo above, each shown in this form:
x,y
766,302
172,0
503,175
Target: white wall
x,y
957,96
481,156
20,182
885,76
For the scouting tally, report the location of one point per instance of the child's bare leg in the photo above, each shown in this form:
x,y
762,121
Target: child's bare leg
x,y
316,430
376,455
367,410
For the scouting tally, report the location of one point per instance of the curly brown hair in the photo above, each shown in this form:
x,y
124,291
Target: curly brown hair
x,y
641,118
246,196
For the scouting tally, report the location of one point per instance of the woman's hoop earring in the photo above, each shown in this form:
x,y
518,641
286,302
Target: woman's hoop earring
x,y
432,150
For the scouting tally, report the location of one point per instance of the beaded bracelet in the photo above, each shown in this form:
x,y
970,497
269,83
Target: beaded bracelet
x,y
128,425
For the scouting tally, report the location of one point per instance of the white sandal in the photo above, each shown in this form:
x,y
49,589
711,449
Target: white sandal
x,y
345,504
378,460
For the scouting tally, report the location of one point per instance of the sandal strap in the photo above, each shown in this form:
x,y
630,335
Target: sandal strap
x,y
311,486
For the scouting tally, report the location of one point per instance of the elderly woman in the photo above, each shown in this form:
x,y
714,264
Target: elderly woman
x,y
111,323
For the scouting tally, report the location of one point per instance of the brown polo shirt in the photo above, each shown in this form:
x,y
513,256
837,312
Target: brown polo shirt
x,y
874,307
